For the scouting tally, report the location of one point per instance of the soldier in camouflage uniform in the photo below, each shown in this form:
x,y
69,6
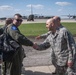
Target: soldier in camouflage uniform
x,y
43,36
14,32
59,25
7,22
63,48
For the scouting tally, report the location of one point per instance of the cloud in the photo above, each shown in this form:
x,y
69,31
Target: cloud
x,y
17,10
60,10
6,7
38,6
63,3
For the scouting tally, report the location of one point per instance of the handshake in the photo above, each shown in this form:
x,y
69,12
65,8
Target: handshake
x,y
35,46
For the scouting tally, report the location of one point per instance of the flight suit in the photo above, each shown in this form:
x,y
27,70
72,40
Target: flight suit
x,y
14,33
2,29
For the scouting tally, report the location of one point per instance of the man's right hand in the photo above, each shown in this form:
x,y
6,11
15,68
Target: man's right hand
x,y
35,46
70,64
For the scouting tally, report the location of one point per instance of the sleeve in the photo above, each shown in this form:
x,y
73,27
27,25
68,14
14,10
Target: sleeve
x,y
1,31
71,46
16,35
45,35
45,45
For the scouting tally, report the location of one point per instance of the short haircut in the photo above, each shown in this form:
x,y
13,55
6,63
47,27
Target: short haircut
x,y
8,21
57,18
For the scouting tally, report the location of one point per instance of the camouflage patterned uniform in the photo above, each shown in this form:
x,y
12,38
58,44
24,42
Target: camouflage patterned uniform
x,y
44,36
13,31
63,49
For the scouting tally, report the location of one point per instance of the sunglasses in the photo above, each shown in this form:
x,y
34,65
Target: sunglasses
x,y
18,20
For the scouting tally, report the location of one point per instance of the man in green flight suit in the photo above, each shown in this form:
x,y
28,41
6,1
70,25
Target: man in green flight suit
x,y
13,31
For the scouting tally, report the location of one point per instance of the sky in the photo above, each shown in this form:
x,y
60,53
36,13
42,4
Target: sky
x,y
40,7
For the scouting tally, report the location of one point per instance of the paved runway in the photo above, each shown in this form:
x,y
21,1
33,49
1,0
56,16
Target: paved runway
x,y
44,20
41,21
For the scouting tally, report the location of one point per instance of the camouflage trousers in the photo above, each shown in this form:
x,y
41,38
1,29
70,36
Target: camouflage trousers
x,y
63,70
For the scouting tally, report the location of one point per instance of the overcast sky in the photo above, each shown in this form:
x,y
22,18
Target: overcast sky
x,y
40,7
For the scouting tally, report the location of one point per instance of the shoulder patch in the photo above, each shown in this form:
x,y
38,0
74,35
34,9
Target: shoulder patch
x,y
14,28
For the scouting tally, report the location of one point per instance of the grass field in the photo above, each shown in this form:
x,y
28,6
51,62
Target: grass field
x,y
71,27
34,29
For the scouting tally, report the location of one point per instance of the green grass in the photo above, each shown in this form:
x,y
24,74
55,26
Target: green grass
x,y
34,29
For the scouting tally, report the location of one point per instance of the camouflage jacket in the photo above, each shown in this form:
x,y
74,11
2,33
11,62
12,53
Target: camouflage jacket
x,y
62,45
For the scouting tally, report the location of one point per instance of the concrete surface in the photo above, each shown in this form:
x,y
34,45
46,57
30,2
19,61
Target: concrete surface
x,y
36,58
38,70
40,21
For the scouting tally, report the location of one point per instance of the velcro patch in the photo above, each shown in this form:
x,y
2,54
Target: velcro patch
x,y
14,28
